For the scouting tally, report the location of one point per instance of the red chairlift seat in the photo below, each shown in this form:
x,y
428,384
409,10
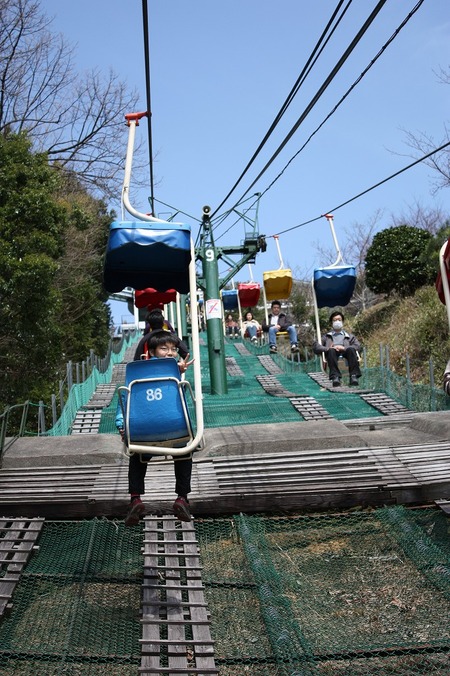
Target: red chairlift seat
x,y
249,293
150,298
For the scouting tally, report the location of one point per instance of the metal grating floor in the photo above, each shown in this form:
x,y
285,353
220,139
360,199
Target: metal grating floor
x,y
384,404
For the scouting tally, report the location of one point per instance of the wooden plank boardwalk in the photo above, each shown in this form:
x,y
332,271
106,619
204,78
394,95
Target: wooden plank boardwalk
x,y
17,543
176,637
325,479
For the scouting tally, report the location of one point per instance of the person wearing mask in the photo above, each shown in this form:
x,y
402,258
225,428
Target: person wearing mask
x,y
336,343
278,321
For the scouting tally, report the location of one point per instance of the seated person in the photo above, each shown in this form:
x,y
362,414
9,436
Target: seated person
x,y
156,322
167,326
231,327
278,321
161,344
251,327
335,343
446,383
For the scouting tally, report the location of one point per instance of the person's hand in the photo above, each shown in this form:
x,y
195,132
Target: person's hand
x,y
122,433
278,327
184,363
339,348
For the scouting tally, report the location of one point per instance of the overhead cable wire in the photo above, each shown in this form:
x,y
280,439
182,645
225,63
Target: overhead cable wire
x,y
364,192
321,89
342,99
149,106
347,93
301,78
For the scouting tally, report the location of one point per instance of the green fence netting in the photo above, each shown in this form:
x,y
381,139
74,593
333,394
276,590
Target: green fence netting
x,y
80,393
357,594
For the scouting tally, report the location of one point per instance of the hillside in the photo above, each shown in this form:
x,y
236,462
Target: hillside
x,y
416,326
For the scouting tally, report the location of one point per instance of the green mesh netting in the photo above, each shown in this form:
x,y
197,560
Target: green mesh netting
x,y
356,594
76,609
364,594
80,393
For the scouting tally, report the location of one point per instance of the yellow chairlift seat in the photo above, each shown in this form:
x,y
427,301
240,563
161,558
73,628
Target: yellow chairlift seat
x,y
277,284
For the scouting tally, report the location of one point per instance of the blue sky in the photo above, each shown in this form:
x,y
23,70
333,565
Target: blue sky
x,y
220,72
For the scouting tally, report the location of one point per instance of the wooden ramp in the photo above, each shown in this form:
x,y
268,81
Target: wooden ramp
x,y
317,478
176,636
17,542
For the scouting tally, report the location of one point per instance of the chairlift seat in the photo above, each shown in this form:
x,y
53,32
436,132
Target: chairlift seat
x,y
439,281
230,299
144,254
334,285
277,284
249,293
341,358
154,404
151,298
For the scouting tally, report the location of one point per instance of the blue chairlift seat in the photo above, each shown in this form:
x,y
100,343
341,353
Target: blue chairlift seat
x,y
144,254
334,285
154,405
230,299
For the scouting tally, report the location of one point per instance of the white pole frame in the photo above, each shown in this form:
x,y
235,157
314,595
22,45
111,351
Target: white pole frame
x,y
133,121
444,269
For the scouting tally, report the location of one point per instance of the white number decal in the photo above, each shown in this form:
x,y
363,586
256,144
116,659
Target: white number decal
x,y
209,253
154,395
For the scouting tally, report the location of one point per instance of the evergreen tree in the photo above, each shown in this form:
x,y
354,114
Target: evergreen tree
x,y
394,261
45,274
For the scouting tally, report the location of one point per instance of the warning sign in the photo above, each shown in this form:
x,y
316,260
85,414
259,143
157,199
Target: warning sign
x,y
213,309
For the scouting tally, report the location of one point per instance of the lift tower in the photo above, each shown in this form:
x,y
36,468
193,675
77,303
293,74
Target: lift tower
x,y
211,284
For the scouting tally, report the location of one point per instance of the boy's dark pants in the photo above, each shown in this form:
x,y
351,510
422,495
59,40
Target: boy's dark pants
x,y
137,471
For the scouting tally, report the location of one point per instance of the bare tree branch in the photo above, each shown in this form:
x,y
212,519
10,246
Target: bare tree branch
x,y
78,121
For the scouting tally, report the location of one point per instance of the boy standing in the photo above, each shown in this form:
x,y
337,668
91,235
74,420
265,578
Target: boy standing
x,y
160,345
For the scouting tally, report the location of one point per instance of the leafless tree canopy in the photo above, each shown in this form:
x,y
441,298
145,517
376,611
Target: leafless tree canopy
x,y
78,121
423,143
430,219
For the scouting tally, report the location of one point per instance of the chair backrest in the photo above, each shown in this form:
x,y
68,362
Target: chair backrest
x,y
156,407
277,284
147,255
334,285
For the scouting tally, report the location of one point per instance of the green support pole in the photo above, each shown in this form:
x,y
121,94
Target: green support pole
x,y
211,285
213,313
